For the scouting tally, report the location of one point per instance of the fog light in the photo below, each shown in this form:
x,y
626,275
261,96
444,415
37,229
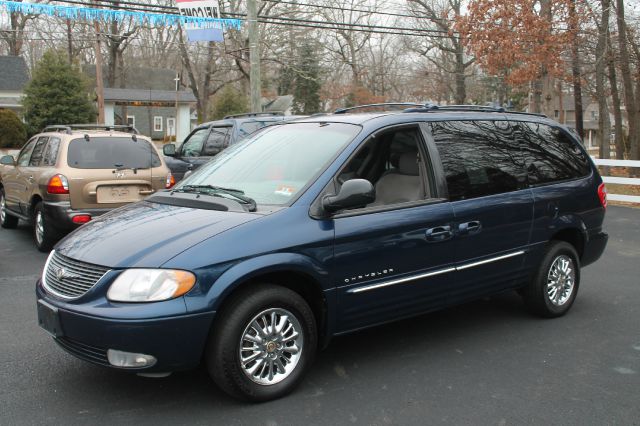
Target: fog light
x,y
128,359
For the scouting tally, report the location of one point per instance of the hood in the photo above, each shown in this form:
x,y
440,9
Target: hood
x,y
146,234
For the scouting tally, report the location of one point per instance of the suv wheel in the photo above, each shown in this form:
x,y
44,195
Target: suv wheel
x,y
554,287
262,343
43,234
6,220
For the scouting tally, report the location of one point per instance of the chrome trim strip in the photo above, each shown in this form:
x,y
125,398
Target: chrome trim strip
x,y
434,273
493,259
400,280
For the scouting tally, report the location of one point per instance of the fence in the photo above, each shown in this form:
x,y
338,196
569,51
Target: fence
x,y
620,180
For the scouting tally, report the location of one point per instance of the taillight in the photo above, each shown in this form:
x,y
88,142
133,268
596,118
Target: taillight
x,y
81,218
170,181
602,194
58,184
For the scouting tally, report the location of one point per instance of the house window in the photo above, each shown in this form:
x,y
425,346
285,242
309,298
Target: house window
x,y
157,124
131,120
556,113
594,115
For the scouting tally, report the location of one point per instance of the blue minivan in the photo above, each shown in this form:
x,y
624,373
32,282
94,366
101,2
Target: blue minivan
x,y
322,227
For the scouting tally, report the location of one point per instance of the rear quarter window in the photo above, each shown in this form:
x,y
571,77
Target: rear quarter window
x,y
111,152
550,154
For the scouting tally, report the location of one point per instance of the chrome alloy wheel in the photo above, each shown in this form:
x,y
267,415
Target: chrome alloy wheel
x,y
560,280
39,228
271,346
3,213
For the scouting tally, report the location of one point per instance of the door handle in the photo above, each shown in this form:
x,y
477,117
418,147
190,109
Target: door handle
x,y
470,228
439,233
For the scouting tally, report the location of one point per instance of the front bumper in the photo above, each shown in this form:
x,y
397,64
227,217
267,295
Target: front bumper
x,y
594,248
177,342
60,214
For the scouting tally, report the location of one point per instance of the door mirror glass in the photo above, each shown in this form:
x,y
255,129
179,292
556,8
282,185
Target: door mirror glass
x,y
353,193
169,150
7,160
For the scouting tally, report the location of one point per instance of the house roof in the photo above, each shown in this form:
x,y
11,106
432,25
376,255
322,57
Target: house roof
x,y
142,95
137,77
14,72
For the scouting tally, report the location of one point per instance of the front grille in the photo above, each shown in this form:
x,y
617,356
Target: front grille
x,y
86,352
68,278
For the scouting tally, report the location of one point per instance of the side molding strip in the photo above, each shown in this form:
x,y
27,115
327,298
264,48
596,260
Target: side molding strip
x,y
434,273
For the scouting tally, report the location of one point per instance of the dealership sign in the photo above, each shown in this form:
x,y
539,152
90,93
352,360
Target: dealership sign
x,y
211,31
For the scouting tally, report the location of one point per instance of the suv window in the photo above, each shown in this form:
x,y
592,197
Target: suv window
x,y
391,161
51,152
479,158
38,149
550,154
192,147
217,141
25,154
110,152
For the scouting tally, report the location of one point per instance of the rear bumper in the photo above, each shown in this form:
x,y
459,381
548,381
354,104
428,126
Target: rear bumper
x,y
594,248
60,214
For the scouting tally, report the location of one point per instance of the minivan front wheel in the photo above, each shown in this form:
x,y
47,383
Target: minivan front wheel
x,y
554,286
262,343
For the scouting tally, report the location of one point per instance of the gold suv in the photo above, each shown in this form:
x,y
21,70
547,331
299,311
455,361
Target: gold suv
x,y
67,175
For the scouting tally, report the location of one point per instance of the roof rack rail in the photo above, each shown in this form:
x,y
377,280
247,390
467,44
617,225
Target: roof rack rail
x,y
254,114
65,129
112,127
389,104
470,108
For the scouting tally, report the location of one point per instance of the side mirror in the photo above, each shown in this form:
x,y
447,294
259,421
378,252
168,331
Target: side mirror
x,y
353,193
169,150
8,160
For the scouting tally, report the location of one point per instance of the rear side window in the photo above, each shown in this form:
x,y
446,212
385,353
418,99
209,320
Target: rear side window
x,y
550,154
51,152
38,149
110,153
217,141
479,158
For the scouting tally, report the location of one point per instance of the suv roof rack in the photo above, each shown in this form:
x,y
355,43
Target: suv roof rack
x,y
254,114
471,108
70,127
385,104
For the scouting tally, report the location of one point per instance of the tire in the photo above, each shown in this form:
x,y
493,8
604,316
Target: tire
x,y
6,220
554,287
233,330
43,235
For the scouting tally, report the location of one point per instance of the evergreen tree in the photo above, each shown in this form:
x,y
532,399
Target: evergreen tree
x,y
57,94
229,101
306,96
12,131
286,80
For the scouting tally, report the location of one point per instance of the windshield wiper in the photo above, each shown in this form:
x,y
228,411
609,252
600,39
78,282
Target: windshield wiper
x,y
216,191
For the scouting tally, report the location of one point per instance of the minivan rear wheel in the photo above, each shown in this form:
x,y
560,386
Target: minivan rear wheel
x,y
262,343
43,235
6,220
554,287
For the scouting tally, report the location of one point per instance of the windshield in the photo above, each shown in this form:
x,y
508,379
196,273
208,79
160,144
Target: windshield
x,y
276,164
110,152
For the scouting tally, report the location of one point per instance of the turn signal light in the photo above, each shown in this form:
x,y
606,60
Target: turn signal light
x,y
602,194
170,181
81,218
58,184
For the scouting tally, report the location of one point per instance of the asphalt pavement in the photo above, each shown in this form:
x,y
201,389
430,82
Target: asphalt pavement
x,y
483,363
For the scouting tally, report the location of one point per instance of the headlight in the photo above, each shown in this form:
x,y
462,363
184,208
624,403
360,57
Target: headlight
x,y
150,285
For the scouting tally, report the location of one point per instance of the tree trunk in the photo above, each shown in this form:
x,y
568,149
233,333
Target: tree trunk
x,y
629,97
575,69
615,100
69,42
192,78
604,123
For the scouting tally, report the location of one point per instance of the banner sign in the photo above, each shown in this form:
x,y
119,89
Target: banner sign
x,y
210,9
93,14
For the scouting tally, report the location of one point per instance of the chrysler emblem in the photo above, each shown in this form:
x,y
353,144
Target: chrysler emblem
x,y
60,274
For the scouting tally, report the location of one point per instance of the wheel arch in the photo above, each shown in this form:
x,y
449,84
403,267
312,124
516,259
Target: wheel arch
x,y
574,235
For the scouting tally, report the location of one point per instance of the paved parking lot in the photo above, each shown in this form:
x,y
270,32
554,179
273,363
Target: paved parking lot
x,y
483,363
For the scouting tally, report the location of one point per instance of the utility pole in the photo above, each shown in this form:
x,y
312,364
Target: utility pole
x,y
254,56
99,82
